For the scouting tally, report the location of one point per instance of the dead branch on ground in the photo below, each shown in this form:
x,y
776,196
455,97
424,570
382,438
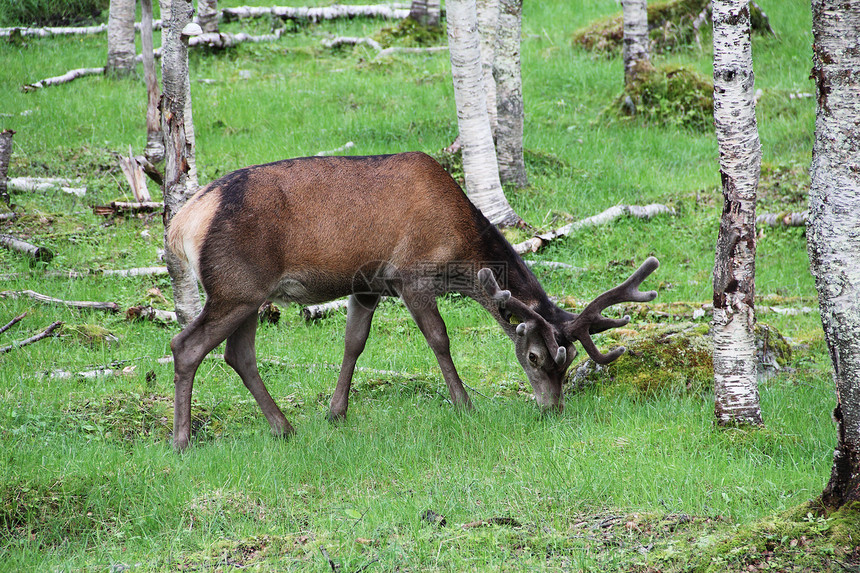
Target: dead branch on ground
x,y
316,14
791,219
12,323
41,184
643,212
78,304
151,314
127,208
44,334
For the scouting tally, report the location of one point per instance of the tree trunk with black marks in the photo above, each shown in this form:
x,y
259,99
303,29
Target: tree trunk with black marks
x,y
479,154
735,384
636,52
509,96
426,12
833,241
488,28
121,54
178,147
5,157
154,151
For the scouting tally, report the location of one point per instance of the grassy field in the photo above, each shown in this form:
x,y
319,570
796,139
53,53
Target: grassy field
x,y
623,480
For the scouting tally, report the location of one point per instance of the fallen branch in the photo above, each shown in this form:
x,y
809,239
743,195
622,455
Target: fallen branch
x,y
318,311
315,14
79,304
42,254
342,148
643,212
401,50
66,30
44,334
12,323
380,51
40,184
782,219
126,207
71,274
69,76
222,40
150,314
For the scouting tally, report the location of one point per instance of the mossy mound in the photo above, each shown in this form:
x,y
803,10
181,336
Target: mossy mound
x,y
672,358
410,33
669,95
670,28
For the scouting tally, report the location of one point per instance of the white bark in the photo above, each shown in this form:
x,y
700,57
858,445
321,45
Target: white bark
x,y
120,57
735,388
509,95
208,15
316,14
488,27
69,76
426,12
178,146
636,51
833,238
479,154
5,157
154,151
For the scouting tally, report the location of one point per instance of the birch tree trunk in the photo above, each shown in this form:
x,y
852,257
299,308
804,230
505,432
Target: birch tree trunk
x,y
154,151
479,154
426,12
5,157
735,385
637,58
176,15
488,28
120,56
207,15
833,240
509,95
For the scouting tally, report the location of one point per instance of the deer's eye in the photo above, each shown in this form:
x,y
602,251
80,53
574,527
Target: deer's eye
x,y
533,359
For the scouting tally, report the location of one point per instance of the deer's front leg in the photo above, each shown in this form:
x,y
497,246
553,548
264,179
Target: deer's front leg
x,y
422,306
359,315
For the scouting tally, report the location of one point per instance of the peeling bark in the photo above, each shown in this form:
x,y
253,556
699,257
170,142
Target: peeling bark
x,y
120,54
479,154
509,96
178,146
735,386
833,240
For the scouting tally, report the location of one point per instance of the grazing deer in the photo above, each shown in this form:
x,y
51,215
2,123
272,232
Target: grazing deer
x,y
314,229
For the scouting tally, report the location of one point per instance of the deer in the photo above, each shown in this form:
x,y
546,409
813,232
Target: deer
x,y
314,229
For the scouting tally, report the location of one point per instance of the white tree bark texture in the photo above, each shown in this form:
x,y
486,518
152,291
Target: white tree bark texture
x,y
154,151
177,146
66,31
735,388
426,12
5,157
120,51
509,95
479,153
833,231
208,15
488,27
636,51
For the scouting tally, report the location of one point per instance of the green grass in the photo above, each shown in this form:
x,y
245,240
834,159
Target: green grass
x,y
88,481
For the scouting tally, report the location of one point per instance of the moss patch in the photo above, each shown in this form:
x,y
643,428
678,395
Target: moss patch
x,y
668,95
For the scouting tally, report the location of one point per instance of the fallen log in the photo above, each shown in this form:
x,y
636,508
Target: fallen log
x,y
221,40
150,314
644,212
127,208
41,184
44,334
69,76
316,14
783,219
72,274
78,304
48,31
42,254
318,311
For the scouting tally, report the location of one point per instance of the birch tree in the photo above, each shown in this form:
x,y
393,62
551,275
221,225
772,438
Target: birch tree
x,y
428,13
735,385
154,151
176,15
834,219
636,53
509,95
479,154
488,28
120,36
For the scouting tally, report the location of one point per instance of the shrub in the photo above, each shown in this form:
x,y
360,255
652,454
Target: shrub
x,y
51,12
